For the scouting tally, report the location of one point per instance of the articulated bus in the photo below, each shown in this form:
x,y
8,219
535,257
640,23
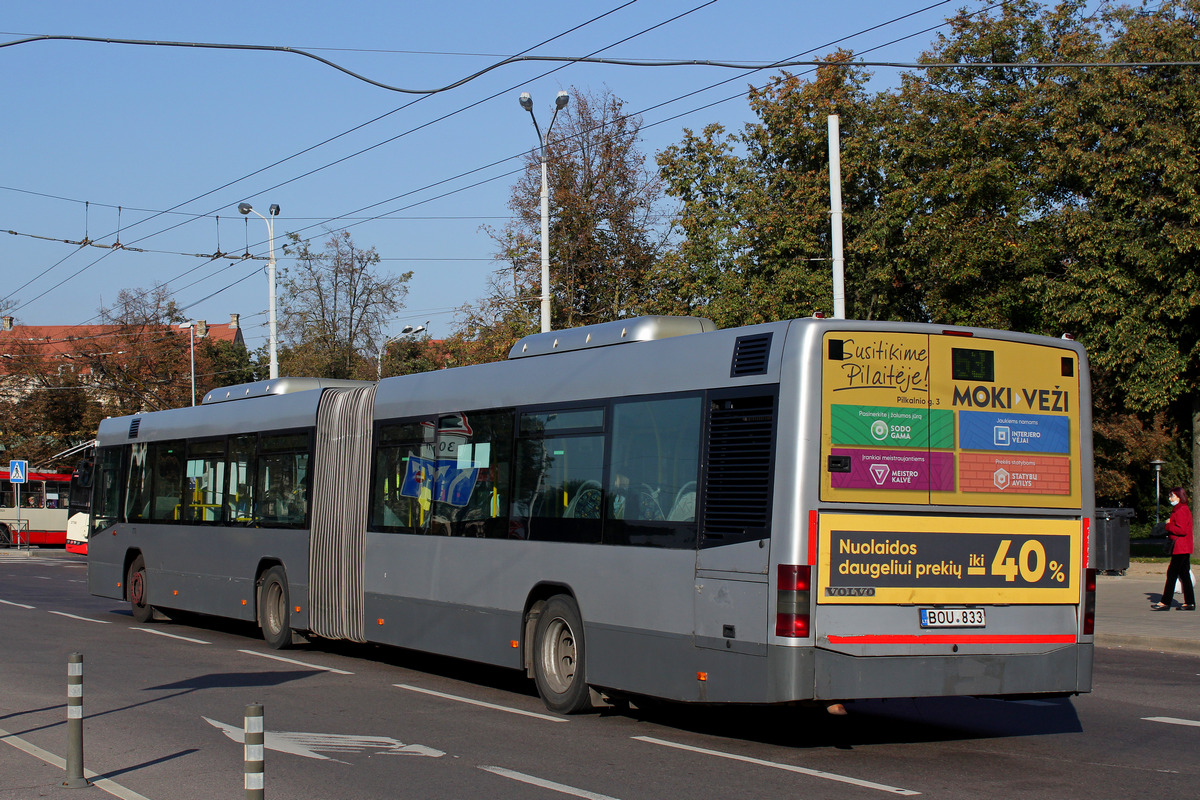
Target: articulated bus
x,y
42,516
811,510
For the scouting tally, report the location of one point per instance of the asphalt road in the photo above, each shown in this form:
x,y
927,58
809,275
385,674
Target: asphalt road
x,y
164,704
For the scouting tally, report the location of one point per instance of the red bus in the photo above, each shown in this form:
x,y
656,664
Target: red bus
x,y
42,516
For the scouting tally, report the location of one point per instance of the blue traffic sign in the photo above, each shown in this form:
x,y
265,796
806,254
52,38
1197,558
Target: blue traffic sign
x,y
18,471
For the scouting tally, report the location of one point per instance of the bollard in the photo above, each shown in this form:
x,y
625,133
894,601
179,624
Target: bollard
x,y
75,779
253,732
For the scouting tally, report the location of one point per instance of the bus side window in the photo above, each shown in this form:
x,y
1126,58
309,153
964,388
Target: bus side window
x,y
653,475
205,481
405,476
281,481
106,488
239,469
474,459
560,463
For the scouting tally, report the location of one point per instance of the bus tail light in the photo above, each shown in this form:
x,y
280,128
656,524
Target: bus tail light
x,y
793,601
1089,603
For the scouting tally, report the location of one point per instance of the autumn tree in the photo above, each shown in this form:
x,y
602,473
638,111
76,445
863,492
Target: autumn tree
x,y
143,362
604,237
334,305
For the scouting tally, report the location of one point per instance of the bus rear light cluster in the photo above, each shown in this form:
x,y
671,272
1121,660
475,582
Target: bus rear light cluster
x,y
1089,604
793,601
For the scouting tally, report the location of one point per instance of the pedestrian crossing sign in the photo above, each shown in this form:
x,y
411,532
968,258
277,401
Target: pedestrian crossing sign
x,y
18,471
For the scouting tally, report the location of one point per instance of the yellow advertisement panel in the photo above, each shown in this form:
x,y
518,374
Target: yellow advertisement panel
x,y
949,420
889,559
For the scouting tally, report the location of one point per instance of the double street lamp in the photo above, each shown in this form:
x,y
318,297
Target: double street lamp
x,y
560,103
407,331
246,208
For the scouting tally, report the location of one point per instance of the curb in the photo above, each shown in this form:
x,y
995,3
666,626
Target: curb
x,y
1160,643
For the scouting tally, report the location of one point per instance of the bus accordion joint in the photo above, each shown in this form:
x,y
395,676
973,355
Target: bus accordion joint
x,y
793,601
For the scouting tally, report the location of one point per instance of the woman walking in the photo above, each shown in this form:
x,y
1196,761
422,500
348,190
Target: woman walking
x,y
1179,528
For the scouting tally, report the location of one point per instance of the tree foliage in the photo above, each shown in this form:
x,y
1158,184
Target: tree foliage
x,y
1043,200
604,243
334,305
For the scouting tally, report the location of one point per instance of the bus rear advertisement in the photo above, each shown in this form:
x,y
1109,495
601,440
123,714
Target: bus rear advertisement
x,y
805,511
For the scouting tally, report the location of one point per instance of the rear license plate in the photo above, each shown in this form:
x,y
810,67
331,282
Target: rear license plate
x,y
952,618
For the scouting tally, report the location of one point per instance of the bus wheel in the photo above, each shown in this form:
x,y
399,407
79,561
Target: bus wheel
x,y
135,589
273,611
558,657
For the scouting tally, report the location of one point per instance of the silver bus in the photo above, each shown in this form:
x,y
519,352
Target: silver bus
x,y
810,510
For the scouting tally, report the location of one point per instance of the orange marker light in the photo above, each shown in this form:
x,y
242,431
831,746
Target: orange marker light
x,y
175,592
515,643
243,602
297,609
380,621
701,676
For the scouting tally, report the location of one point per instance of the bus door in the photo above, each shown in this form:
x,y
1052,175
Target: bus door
x,y
732,560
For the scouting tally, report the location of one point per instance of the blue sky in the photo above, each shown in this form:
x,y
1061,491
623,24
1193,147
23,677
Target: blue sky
x,y
93,126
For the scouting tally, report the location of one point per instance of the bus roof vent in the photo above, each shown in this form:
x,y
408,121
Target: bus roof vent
x,y
638,329
134,424
751,355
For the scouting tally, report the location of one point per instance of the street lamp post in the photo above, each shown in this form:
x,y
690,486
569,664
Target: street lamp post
x,y
406,331
1158,465
191,326
246,208
560,102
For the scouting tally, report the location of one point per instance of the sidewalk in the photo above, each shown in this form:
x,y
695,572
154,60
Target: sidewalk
x,y
1124,618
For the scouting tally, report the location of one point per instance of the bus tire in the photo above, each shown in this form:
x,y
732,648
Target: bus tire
x,y
137,590
274,615
558,657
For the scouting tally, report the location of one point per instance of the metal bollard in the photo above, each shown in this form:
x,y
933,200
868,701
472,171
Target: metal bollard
x,y
254,734
75,779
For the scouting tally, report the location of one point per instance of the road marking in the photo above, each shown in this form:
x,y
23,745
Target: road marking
x,y
307,744
815,773
18,605
545,784
1174,721
171,635
85,619
113,788
480,703
297,663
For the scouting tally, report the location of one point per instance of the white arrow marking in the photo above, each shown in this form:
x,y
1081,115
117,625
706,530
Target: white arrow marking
x,y
307,744
1174,721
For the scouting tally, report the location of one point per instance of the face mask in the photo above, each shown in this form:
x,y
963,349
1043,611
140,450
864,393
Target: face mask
x,y
1174,501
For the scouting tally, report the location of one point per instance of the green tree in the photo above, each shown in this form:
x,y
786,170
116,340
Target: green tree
x,y
754,216
1126,150
604,242
335,303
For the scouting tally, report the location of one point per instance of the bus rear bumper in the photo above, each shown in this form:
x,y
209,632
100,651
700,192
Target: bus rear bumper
x,y
838,676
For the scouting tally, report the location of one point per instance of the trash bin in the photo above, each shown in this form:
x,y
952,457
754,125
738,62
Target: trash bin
x,y
1110,539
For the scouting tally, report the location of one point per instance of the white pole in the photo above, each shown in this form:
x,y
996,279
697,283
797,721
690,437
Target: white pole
x,y
192,337
545,245
835,217
271,298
